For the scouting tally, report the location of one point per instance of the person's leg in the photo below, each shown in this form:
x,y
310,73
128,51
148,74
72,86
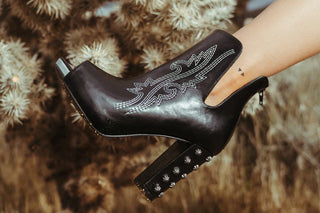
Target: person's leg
x,y
283,34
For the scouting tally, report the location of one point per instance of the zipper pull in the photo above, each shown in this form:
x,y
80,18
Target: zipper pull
x,y
261,97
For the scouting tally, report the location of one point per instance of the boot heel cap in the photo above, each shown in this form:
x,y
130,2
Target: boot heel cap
x,y
63,67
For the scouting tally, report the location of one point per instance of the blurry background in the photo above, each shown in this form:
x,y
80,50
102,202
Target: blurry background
x,y
50,161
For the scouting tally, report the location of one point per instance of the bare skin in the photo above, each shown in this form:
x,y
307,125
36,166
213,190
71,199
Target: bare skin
x,y
282,35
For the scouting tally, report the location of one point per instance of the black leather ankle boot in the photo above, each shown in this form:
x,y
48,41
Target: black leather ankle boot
x,y
167,101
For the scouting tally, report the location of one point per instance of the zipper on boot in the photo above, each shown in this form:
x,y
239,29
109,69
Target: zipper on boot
x,y
261,97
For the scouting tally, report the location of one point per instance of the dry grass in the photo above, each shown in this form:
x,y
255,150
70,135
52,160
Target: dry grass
x,y
23,184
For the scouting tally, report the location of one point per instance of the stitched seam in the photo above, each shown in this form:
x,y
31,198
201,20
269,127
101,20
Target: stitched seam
x,y
192,83
167,83
178,77
174,65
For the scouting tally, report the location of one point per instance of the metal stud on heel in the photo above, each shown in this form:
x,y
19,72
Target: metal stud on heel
x,y
172,166
172,184
176,170
187,160
209,158
157,188
165,178
160,195
198,152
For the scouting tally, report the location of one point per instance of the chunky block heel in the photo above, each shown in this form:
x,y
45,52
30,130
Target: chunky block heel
x,y
173,165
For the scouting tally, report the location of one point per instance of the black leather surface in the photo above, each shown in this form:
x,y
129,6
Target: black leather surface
x,y
171,96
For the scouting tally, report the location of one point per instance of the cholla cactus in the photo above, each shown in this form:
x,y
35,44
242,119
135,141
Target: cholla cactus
x,y
101,55
45,15
81,7
153,6
102,50
153,58
28,15
14,107
184,15
85,35
57,9
22,91
171,26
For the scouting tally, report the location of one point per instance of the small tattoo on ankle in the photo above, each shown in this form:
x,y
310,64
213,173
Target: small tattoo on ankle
x,y
242,72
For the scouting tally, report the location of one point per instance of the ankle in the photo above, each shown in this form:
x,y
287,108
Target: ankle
x,y
236,77
217,96
226,86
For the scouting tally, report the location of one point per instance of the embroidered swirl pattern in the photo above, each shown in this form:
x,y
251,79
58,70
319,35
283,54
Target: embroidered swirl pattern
x,y
168,83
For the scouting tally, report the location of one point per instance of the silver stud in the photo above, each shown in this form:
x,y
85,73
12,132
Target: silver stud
x,y
187,160
157,188
160,195
184,175
176,170
165,178
198,152
209,158
172,184
196,167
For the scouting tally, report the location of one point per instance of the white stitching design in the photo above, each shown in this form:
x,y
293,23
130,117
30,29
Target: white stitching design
x,y
150,82
168,84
